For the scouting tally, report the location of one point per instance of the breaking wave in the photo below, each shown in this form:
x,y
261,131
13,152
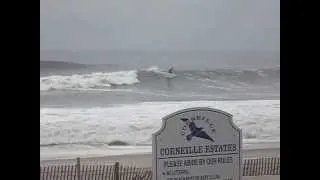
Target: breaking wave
x,y
97,80
151,77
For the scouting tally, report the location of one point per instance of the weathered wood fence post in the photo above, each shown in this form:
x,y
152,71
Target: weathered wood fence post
x,y
78,169
116,171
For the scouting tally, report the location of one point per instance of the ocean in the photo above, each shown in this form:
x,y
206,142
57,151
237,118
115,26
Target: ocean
x,y
95,107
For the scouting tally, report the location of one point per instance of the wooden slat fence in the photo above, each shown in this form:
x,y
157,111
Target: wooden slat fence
x,y
105,171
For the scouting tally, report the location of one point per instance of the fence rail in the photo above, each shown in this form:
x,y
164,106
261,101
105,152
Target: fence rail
x,y
251,167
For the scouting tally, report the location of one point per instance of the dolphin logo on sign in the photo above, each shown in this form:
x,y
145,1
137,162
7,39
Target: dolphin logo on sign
x,y
196,131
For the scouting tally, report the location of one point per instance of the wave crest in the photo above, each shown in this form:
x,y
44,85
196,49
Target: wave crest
x,y
88,81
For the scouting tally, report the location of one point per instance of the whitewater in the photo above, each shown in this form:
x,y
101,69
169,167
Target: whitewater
x,y
90,112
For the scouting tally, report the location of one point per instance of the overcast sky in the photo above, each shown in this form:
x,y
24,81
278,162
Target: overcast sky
x,y
160,24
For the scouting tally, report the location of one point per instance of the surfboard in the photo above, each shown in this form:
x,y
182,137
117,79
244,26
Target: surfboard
x,y
166,74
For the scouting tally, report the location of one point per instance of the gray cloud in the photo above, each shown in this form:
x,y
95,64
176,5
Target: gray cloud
x,y
160,25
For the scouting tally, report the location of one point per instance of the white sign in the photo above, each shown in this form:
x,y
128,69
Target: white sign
x,y
197,144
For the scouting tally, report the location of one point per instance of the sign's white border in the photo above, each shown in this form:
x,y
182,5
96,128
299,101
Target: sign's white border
x,y
164,122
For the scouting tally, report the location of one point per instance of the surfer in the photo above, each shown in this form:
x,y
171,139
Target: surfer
x,y
170,70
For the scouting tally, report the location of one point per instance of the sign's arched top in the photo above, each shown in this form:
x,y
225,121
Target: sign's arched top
x,y
164,119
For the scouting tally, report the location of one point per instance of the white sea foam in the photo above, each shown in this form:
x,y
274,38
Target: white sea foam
x,y
88,81
135,123
153,69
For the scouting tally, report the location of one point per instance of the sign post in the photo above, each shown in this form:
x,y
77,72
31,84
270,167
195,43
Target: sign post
x,y
197,144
